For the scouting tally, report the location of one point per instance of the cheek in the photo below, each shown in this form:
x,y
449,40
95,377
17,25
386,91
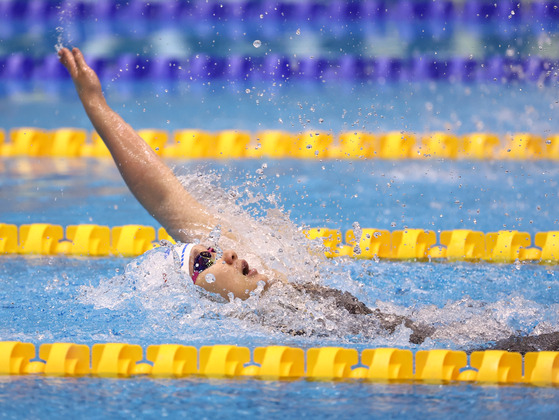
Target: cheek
x,y
220,272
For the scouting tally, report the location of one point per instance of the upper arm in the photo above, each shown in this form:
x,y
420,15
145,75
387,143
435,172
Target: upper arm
x,y
148,178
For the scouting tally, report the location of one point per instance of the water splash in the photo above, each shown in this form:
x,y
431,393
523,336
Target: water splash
x,y
154,289
65,19
267,238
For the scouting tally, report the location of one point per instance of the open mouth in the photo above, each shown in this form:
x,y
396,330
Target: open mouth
x,y
245,268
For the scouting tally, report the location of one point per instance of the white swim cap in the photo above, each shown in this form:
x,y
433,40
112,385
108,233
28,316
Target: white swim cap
x,y
184,251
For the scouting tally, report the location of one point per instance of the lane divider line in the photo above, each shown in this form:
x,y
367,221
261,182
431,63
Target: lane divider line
x,y
236,144
505,246
281,363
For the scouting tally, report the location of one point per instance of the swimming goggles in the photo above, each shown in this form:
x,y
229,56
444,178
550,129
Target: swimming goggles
x,y
203,261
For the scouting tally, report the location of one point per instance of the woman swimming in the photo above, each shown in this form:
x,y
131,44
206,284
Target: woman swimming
x,y
185,219
189,222
161,193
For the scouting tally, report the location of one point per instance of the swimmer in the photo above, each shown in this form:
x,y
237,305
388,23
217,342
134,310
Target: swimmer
x,y
189,222
158,190
185,219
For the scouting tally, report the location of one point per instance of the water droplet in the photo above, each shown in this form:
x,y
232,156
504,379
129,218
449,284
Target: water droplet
x,y
247,90
309,146
298,31
257,43
210,278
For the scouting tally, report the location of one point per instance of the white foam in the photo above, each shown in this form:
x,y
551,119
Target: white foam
x,y
153,287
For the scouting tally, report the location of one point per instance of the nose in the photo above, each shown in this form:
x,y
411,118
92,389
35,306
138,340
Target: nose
x,y
230,256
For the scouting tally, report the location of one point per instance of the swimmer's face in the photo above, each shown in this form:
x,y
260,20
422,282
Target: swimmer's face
x,y
229,274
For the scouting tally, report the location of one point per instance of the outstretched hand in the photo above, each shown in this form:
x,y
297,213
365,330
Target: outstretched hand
x,y
85,79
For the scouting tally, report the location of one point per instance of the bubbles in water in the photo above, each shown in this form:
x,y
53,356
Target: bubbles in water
x,y
214,235
257,43
59,41
260,171
357,232
154,288
210,278
65,20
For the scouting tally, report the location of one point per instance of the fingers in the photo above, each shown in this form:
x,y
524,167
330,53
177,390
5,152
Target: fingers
x,y
78,56
73,61
67,59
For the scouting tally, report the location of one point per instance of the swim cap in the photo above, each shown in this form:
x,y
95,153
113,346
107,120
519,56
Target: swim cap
x,y
184,251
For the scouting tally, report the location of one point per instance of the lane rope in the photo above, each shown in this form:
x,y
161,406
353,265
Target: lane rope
x,y
18,67
318,145
253,11
505,246
280,362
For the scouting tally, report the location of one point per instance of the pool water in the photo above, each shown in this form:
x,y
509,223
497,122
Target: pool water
x,y
96,300
294,106
224,399
436,194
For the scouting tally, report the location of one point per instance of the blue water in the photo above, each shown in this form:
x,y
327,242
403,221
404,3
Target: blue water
x,y
50,299
87,300
224,399
295,106
93,300
41,303
437,195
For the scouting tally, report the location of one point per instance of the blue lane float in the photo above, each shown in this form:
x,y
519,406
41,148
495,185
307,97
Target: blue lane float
x,y
333,10
202,67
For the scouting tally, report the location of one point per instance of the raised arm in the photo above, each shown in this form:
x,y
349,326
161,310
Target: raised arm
x,y
148,178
